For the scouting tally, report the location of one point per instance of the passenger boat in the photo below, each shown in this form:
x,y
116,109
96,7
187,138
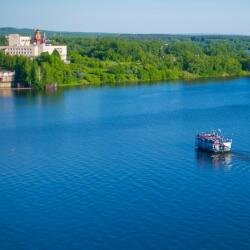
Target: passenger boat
x,y
213,142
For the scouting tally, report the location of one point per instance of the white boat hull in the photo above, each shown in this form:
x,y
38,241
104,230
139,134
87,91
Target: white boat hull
x,y
213,147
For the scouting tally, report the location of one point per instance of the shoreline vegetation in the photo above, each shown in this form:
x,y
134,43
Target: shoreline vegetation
x,y
119,59
186,80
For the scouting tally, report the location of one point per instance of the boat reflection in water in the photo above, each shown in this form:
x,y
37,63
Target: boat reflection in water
x,y
214,160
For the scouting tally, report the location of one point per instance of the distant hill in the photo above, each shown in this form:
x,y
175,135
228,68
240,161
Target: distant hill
x,y
10,30
195,37
30,32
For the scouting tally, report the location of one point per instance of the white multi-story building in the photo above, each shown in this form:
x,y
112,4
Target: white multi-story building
x,y
17,40
22,46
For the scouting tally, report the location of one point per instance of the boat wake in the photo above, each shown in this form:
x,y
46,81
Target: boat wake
x,y
242,155
221,160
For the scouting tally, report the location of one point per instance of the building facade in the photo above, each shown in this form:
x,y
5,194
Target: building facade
x,y
7,79
23,46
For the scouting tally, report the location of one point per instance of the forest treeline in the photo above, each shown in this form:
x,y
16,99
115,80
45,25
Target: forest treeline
x,y
117,59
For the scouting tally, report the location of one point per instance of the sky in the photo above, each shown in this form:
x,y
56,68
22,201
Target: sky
x,y
130,16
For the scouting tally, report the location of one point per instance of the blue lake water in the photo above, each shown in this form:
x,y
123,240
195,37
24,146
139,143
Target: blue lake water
x,y
115,168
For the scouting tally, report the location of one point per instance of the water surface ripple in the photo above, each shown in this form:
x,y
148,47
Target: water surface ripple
x,y
115,168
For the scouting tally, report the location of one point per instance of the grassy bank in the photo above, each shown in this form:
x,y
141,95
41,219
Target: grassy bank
x,y
190,78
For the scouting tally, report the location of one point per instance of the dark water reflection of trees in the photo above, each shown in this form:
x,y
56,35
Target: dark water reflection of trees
x,y
10,99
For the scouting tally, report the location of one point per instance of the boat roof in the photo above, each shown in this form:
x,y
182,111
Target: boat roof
x,y
212,136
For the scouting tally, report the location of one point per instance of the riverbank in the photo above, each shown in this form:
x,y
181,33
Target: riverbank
x,y
187,79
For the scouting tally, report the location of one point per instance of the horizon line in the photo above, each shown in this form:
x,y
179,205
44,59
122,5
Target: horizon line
x,y
132,33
